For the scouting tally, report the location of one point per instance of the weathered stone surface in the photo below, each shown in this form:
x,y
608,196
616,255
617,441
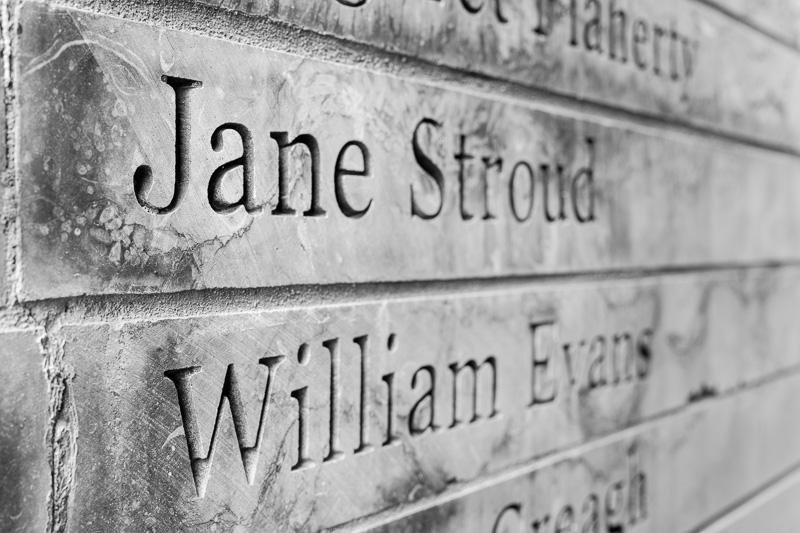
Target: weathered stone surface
x,y
24,463
714,72
779,18
6,183
567,364
94,112
774,509
683,471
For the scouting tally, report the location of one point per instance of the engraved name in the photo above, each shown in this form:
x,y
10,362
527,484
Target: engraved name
x,y
547,191
622,505
444,397
598,28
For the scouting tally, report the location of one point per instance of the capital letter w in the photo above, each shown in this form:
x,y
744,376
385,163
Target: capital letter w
x,y
231,395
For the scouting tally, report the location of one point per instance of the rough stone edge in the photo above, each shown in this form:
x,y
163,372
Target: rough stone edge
x,y
62,433
8,218
42,320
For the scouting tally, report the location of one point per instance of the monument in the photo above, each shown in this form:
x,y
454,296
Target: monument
x,y
400,265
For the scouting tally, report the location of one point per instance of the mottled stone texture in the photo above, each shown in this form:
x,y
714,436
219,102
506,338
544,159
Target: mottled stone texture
x,y
737,80
778,18
522,282
671,475
24,468
448,193
774,509
572,364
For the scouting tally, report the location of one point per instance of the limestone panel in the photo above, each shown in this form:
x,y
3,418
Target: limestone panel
x,y
389,179
307,418
24,461
672,475
774,508
679,59
779,18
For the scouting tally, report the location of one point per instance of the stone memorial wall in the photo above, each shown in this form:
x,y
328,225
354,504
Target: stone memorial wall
x,y
400,265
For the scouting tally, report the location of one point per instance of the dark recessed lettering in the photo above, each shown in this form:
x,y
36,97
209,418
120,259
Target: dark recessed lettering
x,y
430,168
597,366
504,518
488,164
637,489
472,8
591,514
617,32
340,173
573,351
540,524
232,396
391,438
544,21
475,393
689,48
512,188
573,19
474,368
565,520
283,207
582,188
498,11
143,176
559,191
543,346
462,156
215,196
334,453
645,352
641,34
364,445
658,34
592,30
426,402
673,54
303,459
615,508
622,357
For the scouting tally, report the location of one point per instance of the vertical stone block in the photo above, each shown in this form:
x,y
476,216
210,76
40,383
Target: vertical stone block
x,y
24,459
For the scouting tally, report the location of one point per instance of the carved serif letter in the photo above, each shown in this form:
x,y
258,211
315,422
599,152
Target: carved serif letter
x,y
215,197
143,177
231,394
430,168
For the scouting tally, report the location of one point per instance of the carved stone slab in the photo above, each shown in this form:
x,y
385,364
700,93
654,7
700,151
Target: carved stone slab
x,y
388,179
779,18
344,411
669,475
775,508
24,462
676,59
